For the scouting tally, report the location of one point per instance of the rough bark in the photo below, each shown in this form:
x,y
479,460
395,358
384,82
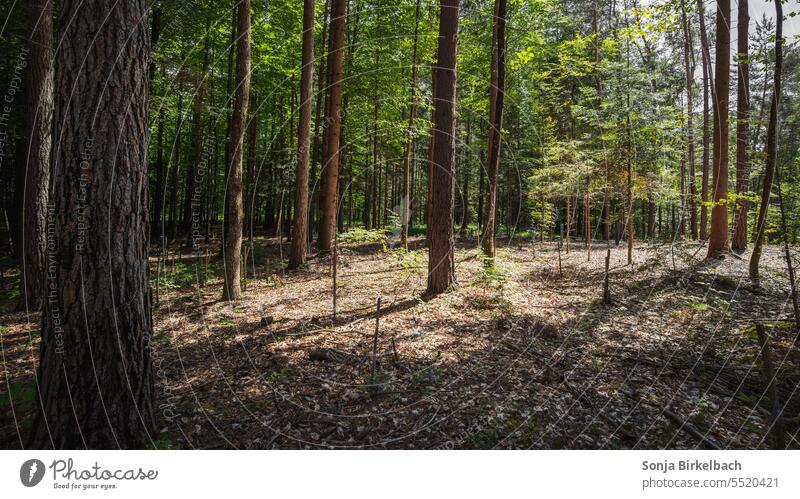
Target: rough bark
x,y
39,98
718,241
333,119
300,228
739,241
441,265
233,192
94,384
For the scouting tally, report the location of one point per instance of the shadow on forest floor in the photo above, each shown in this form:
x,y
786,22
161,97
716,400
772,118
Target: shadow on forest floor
x,y
524,356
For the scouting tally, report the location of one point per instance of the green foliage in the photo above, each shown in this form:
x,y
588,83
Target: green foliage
x,y
360,235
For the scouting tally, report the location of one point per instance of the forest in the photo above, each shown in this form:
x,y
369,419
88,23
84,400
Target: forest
x,y
400,224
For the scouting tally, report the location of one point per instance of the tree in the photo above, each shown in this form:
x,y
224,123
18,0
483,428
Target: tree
x,y
333,119
39,96
739,241
772,143
706,59
689,64
233,192
718,242
300,229
94,383
412,111
496,98
441,265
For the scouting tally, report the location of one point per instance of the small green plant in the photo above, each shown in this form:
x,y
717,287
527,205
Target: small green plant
x,y
360,236
411,262
280,376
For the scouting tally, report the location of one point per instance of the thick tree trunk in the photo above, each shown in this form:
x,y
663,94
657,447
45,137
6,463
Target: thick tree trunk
x,y
706,121
39,97
718,242
739,241
300,228
233,193
333,119
772,144
95,388
496,98
441,265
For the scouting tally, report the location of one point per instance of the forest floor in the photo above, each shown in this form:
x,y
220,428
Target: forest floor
x,y
524,356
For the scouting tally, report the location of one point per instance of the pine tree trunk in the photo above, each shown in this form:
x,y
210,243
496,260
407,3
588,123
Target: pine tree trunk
x,y
441,265
95,385
496,98
739,241
39,97
233,196
300,229
333,119
718,242
772,144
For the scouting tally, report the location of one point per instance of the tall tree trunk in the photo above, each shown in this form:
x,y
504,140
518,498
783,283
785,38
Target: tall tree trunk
x,y
316,148
441,265
333,119
406,199
718,242
739,241
496,98
772,144
705,56
689,63
95,388
233,193
300,229
39,97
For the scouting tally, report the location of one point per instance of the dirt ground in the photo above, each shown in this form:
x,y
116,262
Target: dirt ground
x,y
524,356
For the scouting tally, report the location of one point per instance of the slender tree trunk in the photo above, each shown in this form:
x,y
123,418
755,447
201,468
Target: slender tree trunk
x,y
233,195
496,98
322,82
333,119
38,123
718,242
300,228
706,59
95,388
441,265
406,200
689,63
772,144
739,241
